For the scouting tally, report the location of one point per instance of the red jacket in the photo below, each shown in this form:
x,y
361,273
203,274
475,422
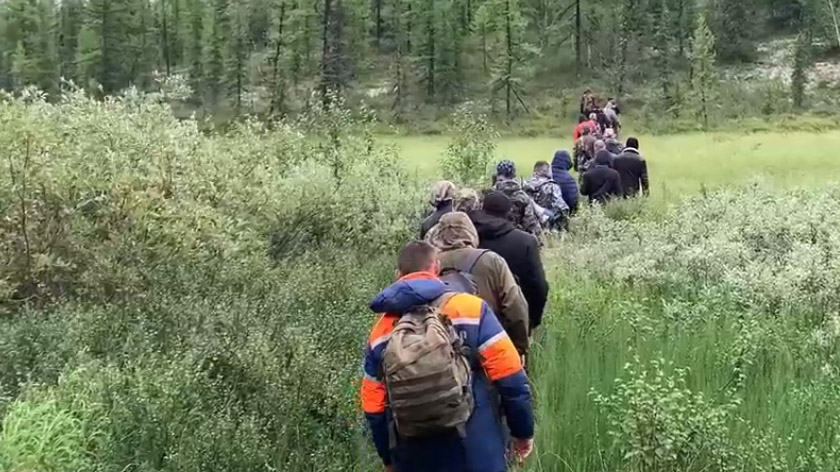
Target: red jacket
x,y
578,132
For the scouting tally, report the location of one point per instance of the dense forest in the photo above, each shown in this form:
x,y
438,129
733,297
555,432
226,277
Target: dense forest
x,y
271,57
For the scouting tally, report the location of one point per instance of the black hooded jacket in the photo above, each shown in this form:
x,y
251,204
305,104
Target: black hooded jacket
x,y
432,220
601,182
521,251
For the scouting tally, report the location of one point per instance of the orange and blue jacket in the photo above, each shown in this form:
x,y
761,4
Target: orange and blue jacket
x,y
483,449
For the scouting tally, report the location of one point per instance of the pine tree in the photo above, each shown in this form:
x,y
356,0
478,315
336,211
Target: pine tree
x,y
801,64
733,24
237,53
192,39
214,30
69,23
704,75
29,42
506,26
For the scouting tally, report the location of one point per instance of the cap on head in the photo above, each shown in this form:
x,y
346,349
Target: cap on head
x,y
593,116
506,168
609,133
467,200
497,204
632,143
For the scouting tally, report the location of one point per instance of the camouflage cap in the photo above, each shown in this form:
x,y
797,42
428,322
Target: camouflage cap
x,y
442,191
467,200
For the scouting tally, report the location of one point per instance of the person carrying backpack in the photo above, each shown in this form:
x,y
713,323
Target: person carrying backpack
x,y
467,269
438,369
548,197
523,213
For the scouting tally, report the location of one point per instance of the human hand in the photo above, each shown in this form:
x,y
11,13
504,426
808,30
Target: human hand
x,y
522,448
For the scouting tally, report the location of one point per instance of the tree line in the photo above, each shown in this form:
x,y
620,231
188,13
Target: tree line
x,y
274,55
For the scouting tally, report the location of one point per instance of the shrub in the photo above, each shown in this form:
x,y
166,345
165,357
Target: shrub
x,y
470,154
200,299
659,424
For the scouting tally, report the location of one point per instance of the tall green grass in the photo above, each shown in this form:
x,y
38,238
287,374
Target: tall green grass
x,y
641,306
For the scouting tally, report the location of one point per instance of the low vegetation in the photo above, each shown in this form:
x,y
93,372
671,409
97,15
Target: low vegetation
x,y
177,301
173,301
704,340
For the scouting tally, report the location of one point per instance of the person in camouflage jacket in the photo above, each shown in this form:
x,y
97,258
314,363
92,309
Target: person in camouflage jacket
x,y
523,213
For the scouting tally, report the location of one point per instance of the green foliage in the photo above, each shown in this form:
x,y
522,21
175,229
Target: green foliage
x,y
704,76
734,289
659,424
177,301
470,154
801,65
40,434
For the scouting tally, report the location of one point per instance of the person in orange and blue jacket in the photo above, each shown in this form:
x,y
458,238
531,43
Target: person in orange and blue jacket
x,y
500,385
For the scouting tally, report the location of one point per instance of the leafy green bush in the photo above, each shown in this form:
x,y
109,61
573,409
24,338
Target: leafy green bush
x,y
200,299
471,152
659,424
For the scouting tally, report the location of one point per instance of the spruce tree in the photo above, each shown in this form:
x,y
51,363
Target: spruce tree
x,y
801,65
704,75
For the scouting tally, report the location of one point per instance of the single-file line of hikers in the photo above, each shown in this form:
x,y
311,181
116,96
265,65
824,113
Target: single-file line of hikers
x,y
445,388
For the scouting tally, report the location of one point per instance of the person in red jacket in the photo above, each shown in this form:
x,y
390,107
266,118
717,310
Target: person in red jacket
x,y
498,380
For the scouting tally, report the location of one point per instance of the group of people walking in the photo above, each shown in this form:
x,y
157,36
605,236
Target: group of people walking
x,y
445,387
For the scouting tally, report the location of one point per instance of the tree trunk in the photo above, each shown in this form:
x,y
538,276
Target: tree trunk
x,y
834,20
408,27
430,50
377,4
509,72
325,52
577,37
279,89
165,38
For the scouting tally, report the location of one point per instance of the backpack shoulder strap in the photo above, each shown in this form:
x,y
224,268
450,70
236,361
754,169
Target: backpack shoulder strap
x,y
469,262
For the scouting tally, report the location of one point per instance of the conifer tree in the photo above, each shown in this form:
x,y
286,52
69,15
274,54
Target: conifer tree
x,y
704,76
801,65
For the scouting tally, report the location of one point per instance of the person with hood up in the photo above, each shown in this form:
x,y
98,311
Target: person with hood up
x,y
632,168
614,146
456,238
498,378
547,196
519,249
601,182
523,213
560,167
443,194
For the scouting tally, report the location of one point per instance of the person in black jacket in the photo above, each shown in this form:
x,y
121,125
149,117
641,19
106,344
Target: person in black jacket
x,y
443,193
632,169
519,249
601,182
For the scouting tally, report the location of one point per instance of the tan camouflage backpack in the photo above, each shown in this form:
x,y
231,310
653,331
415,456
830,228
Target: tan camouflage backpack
x,y
427,374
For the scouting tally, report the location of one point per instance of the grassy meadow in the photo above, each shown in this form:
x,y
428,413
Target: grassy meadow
x,y
175,301
678,164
